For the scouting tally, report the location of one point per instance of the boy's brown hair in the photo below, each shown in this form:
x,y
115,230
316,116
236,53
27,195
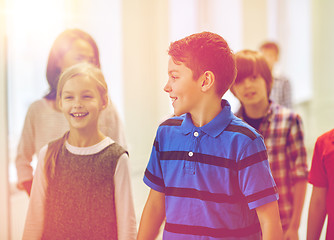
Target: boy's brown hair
x,y
252,63
270,45
203,52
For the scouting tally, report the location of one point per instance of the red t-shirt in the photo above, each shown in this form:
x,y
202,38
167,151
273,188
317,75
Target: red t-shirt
x,y
322,174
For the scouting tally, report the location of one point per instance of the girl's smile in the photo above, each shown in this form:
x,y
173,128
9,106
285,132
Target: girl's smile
x,y
81,103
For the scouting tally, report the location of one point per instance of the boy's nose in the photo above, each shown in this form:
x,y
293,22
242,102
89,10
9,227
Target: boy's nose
x,y
247,83
167,87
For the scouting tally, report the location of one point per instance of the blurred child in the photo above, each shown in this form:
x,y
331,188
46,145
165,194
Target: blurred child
x,y
281,92
208,172
81,189
44,122
322,178
282,132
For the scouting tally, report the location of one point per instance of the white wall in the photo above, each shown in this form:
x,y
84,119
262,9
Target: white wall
x,y
4,187
145,43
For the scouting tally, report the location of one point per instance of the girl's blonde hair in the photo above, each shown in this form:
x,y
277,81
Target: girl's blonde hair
x,y
85,70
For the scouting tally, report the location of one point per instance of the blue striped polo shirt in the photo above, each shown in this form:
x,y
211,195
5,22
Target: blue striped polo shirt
x,y
213,177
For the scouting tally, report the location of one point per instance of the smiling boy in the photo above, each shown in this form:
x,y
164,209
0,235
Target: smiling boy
x,y
208,172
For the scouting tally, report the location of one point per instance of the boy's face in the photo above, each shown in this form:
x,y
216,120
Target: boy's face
x,y
251,91
183,90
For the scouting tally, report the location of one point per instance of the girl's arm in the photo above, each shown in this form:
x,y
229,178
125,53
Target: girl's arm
x,y
270,221
33,228
125,213
317,213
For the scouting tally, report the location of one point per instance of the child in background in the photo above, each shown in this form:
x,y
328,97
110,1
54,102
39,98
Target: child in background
x,y
282,132
281,92
81,189
322,178
44,122
208,172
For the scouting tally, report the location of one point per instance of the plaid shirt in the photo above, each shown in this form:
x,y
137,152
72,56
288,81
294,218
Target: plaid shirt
x,y
284,139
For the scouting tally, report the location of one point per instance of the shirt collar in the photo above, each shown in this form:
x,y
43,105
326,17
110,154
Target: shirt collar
x,y
216,126
269,116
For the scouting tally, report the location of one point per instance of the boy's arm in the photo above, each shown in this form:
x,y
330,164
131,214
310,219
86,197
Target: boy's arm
x,y
152,217
299,190
317,212
270,221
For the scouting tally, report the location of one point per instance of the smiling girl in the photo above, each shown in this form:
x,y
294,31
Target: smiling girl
x,y
82,188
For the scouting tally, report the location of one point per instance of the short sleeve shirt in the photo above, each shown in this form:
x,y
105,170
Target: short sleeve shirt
x,y
213,177
322,174
283,134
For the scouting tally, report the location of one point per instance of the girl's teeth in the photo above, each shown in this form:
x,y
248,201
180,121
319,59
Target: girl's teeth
x,y
79,114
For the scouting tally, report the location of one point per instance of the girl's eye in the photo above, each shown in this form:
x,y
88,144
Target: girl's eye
x,y
87,96
68,97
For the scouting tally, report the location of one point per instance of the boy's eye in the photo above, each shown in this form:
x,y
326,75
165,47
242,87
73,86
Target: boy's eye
x,y
87,96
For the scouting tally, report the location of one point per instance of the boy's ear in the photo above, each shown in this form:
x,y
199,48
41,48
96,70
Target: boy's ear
x,y
208,79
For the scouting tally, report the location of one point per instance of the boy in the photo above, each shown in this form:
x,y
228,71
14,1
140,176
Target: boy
x,y
322,178
281,90
282,133
208,171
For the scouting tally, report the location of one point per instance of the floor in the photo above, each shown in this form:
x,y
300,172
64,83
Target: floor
x,y
19,205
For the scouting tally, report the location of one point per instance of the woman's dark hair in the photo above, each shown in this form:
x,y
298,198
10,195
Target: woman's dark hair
x,y
61,45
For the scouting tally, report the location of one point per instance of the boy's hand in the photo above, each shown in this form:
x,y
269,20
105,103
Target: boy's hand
x,y
152,217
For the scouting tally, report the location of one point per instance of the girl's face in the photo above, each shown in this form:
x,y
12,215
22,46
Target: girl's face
x,y
81,51
251,91
81,103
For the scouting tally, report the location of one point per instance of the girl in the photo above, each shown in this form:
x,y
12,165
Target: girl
x,y
81,189
44,122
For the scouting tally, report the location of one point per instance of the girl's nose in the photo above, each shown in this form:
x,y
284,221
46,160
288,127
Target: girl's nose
x,y
77,103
